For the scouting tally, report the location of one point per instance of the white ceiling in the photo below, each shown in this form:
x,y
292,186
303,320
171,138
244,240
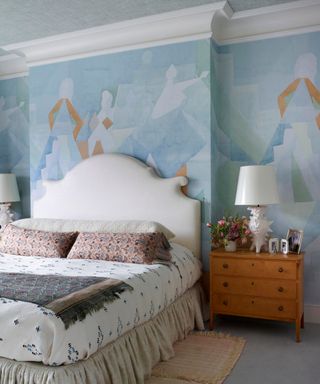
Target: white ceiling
x,y
24,20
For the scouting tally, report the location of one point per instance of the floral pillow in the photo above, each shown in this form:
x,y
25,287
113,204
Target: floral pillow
x,y
29,242
140,248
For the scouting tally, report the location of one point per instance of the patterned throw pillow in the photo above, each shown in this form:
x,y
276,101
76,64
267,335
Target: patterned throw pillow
x,y
140,248
29,242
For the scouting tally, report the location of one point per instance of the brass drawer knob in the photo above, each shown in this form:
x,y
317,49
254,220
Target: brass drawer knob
x,y
225,302
225,284
225,265
280,308
280,289
280,269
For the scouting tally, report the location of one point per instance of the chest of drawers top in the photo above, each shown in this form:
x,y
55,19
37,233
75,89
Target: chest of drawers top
x,y
246,254
250,264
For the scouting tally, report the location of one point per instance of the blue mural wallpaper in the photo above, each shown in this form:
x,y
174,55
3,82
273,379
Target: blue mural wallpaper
x,y
193,108
14,137
266,97
153,104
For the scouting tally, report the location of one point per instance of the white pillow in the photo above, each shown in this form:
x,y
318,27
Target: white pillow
x,y
116,226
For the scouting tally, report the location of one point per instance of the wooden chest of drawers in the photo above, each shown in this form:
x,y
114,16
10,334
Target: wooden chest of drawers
x,y
263,285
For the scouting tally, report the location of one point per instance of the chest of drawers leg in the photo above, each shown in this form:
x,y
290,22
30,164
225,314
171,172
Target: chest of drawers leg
x,y
264,286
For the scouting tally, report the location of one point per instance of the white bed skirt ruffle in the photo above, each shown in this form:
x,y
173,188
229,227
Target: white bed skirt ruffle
x,y
127,360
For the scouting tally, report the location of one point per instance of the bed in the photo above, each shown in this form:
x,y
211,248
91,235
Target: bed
x,y
120,342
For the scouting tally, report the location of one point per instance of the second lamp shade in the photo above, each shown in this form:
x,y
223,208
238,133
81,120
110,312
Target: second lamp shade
x,y
257,186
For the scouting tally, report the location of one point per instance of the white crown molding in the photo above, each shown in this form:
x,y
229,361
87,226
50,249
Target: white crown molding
x,y
165,28
214,20
12,65
274,21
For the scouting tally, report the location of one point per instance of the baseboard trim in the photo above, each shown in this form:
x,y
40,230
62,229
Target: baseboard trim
x,y
312,313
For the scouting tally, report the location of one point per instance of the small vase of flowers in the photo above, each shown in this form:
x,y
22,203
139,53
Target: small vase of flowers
x,y
228,231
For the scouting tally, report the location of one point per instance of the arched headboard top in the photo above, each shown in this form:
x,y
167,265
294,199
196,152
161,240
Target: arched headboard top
x,y
120,187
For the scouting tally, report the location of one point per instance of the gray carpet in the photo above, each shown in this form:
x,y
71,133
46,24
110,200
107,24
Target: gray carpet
x,y
271,355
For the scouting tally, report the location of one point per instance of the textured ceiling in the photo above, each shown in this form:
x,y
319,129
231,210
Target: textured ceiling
x,y
23,20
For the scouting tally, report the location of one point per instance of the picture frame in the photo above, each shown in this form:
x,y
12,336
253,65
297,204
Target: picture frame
x,y
294,238
274,245
284,246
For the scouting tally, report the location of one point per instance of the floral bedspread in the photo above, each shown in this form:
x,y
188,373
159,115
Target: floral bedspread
x,y
30,332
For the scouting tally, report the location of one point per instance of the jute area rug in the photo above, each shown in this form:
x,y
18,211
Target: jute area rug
x,y
203,357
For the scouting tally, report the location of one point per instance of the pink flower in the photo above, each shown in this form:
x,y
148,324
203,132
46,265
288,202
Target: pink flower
x,y
229,228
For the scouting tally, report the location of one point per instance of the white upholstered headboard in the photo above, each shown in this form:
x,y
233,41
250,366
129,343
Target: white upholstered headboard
x,y
119,187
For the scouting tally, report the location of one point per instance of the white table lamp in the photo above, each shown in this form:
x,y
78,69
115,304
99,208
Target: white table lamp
x,y
8,194
257,187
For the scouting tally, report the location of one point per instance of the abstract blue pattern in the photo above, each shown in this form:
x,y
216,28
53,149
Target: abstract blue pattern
x,y
154,104
14,137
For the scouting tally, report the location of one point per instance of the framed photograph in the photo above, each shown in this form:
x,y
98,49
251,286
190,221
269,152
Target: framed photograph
x,y
274,245
284,246
294,237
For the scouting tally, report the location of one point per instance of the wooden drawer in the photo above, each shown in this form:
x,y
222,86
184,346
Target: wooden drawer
x,y
254,306
255,268
274,288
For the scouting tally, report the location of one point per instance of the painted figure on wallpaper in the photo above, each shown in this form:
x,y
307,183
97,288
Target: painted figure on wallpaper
x,y
101,140
170,136
6,113
61,152
171,98
63,117
295,147
305,72
173,93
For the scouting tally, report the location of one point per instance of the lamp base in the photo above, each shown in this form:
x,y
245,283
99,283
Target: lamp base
x,y
5,214
259,227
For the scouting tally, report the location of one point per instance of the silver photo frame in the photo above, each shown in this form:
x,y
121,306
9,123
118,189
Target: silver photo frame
x,y
294,238
284,245
274,245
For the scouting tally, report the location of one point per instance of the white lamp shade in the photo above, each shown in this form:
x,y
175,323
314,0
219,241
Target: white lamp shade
x,y
257,186
8,188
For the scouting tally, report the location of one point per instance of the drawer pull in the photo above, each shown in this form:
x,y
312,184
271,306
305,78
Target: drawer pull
x,y
252,283
280,308
280,289
280,269
252,265
225,302
225,284
225,265
252,301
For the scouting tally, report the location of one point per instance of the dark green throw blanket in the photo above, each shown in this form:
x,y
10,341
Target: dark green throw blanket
x,y
70,297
